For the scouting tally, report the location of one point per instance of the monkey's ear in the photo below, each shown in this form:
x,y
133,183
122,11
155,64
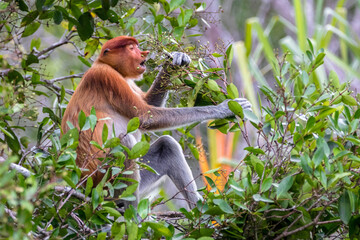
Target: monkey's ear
x,y
106,51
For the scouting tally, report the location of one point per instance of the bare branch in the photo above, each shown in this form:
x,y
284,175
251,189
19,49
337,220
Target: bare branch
x,y
23,171
57,88
4,72
81,223
65,40
72,192
79,75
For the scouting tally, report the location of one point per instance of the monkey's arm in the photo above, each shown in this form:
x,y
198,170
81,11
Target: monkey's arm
x,y
157,94
171,118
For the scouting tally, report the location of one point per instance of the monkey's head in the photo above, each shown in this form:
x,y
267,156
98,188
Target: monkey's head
x,y
123,54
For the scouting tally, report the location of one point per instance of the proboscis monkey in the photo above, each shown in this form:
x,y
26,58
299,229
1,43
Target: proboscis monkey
x,y
109,87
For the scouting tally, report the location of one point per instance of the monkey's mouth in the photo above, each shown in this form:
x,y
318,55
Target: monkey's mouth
x,y
143,63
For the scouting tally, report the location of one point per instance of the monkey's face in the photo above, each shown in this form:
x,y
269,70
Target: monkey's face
x,y
135,59
128,60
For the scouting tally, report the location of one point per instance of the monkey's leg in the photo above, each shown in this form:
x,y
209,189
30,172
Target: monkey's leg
x,y
166,157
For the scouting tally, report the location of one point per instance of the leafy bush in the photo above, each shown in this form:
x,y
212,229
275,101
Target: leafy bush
x,y
299,178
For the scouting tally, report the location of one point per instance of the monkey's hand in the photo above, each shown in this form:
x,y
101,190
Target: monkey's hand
x,y
244,103
180,59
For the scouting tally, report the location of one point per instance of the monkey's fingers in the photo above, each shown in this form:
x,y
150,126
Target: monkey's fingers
x,y
245,104
180,59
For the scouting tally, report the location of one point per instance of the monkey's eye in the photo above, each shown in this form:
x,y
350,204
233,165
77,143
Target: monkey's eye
x,y
131,46
106,51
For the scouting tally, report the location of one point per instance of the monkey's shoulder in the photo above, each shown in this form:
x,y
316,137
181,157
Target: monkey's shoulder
x,y
102,74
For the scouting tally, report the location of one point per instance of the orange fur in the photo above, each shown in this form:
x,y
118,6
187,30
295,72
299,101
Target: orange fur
x,y
107,86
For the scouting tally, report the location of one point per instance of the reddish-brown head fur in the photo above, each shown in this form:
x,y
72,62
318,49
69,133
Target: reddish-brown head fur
x,y
123,54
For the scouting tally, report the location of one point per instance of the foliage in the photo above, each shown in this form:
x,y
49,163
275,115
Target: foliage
x,y
299,181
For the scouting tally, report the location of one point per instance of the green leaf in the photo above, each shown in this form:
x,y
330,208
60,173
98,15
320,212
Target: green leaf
x,y
113,212
24,140
337,177
147,167
304,164
96,144
224,206
212,171
39,4
319,58
105,133
6,133
325,113
174,4
129,191
318,156
13,141
310,45
84,61
3,5
194,150
89,185
69,181
81,120
213,85
259,198
309,55
236,108
35,43
304,77
284,186
160,229
112,142
334,79
31,58
105,4
95,198
15,76
266,184
52,115
70,137
58,17
102,235
90,48
251,116
159,18
310,90
133,125
143,208
217,55
254,150
345,207
349,100
85,26
29,18
131,22
232,91
178,32
30,29
92,120
139,150
229,55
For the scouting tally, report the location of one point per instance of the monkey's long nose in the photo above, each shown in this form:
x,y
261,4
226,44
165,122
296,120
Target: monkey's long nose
x,y
145,53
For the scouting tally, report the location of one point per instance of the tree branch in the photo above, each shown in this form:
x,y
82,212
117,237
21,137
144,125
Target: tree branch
x,y
23,171
65,40
79,75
